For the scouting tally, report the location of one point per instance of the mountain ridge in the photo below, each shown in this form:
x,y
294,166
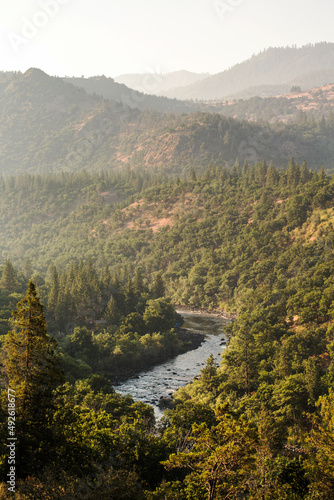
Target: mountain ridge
x,y
273,66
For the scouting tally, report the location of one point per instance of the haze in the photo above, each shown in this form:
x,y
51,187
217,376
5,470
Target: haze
x,y
72,37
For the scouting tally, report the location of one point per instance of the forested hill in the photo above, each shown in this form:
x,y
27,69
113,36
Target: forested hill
x,y
280,67
213,235
103,249
51,126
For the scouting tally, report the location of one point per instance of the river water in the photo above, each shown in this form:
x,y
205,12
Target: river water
x,y
164,379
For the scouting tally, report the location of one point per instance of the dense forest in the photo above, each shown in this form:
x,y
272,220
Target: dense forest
x,y
108,255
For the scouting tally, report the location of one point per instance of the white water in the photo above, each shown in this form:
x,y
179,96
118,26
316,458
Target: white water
x,y
163,380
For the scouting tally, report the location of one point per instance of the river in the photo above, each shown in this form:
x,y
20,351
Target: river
x,y
164,379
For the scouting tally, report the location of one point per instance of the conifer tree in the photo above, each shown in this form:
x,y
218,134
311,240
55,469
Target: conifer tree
x,y
304,173
272,176
106,278
293,173
129,296
32,371
111,313
8,280
158,287
138,282
31,365
322,174
53,291
28,268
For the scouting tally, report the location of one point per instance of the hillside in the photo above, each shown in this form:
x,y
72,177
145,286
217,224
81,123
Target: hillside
x,y
254,240
138,219
293,107
308,66
51,126
41,117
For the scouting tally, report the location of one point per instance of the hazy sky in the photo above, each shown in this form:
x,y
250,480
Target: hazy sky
x,y
111,37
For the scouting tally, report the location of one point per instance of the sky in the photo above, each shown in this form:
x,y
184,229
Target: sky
x,y
113,37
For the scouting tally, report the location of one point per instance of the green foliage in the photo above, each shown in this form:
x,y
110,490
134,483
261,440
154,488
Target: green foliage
x,y
321,464
31,370
8,279
218,459
252,239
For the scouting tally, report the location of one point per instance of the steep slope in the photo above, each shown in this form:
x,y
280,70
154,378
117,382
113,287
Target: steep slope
x,y
307,66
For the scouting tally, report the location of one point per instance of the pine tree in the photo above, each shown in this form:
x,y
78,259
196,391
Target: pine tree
x,y
53,291
129,296
65,312
8,280
31,366
111,314
272,176
192,175
304,173
138,282
28,268
106,278
322,174
158,287
293,173
32,371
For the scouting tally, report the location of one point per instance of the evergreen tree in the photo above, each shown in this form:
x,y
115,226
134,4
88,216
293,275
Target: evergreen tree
x,y
322,174
111,314
192,175
304,173
28,269
272,176
32,371
65,311
129,296
158,287
53,291
106,276
8,280
138,282
292,173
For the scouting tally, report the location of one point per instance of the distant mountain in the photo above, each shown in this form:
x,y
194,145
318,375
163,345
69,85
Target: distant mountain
x,y
158,84
306,81
308,66
109,89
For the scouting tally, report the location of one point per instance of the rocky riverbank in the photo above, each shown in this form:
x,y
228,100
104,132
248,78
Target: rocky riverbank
x,y
190,340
